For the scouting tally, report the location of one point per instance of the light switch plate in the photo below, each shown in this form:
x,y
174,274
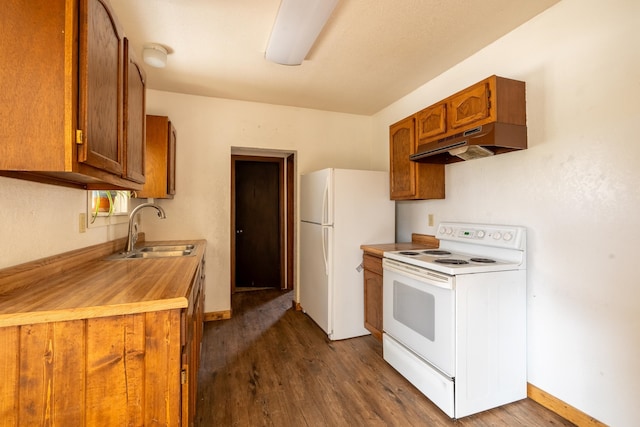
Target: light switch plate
x,y
82,223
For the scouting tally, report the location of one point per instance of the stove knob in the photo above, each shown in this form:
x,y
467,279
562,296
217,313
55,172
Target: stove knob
x,y
508,236
497,235
480,234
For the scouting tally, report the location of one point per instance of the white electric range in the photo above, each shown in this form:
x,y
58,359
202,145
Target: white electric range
x,y
455,318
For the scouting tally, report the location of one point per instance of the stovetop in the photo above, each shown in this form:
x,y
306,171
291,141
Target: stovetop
x,y
470,248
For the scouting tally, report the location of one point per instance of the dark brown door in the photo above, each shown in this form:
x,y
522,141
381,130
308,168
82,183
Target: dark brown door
x,y
258,222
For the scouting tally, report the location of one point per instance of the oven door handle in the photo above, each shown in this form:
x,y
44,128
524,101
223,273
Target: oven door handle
x,y
421,274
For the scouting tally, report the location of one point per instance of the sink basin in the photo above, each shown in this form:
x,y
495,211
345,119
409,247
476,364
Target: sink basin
x,y
167,248
156,251
158,254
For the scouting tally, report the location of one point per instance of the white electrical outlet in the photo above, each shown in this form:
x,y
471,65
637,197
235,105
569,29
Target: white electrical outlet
x,y
82,223
430,220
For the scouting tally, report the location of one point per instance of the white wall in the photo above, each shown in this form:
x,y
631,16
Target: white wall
x,y
40,220
207,129
576,189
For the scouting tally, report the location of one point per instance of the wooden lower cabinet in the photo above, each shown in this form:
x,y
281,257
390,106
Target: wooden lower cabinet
x,y
191,347
126,370
373,295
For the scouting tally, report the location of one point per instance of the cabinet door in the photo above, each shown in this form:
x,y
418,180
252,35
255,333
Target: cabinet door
x,y
171,162
33,61
373,295
431,121
470,105
402,174
100,92
160,159
193,319
134,113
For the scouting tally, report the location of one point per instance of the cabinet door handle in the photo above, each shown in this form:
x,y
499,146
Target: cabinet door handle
x,y
79,137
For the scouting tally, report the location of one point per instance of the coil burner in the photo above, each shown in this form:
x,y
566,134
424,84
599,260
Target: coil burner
x,y
436,252
483,260
451,261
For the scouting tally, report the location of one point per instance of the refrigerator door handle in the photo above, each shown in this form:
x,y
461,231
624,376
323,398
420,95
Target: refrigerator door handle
x,y
324,250
326,220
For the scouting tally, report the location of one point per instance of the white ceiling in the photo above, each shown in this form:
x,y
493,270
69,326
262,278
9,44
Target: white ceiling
x,y
370,54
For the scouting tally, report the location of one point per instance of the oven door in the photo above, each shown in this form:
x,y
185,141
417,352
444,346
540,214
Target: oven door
x,y
419,312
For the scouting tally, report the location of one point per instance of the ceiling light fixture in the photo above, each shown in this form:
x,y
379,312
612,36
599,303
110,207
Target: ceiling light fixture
x,y
154,55
296,28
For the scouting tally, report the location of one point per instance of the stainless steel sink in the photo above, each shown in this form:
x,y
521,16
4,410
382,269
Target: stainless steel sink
x,y
167,248
157,254
156,251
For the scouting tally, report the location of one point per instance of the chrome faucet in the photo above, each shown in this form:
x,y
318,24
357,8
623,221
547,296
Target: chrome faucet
x,y
132,236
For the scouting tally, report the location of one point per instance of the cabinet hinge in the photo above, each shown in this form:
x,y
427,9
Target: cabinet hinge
x,y
183,376
79,137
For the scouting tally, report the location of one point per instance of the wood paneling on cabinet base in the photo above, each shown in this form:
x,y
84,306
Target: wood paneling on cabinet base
x,y
120,370
87,341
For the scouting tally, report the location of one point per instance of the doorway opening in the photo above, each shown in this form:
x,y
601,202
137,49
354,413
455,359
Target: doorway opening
x,y
262,220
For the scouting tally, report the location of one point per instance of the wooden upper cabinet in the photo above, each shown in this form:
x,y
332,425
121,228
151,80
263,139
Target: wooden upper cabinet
x,y
432,121
161,138
62,91
135,117
410,180
494,99
470,105
402,143
100,95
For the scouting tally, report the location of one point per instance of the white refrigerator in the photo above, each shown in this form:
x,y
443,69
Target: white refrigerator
x,y
340,210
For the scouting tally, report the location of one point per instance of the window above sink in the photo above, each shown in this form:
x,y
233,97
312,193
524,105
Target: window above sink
x,y
107,207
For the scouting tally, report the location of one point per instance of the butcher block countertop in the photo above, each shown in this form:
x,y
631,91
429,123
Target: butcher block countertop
x,y
418,241
83,284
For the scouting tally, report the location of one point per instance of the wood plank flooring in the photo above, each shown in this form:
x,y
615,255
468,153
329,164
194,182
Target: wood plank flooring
x,y
270,365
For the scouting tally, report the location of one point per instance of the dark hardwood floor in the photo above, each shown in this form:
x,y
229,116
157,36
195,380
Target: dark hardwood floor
x,y
270,365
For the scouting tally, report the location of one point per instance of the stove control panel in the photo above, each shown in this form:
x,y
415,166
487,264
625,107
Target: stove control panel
x,y
507,236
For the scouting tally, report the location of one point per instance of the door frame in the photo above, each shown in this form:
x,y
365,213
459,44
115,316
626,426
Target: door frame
x,y
286,182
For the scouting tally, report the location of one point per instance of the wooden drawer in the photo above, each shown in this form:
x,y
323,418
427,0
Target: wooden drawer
x,y
373,264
